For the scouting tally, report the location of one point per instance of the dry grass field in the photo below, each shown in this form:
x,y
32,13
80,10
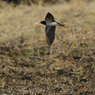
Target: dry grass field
x,y
26,68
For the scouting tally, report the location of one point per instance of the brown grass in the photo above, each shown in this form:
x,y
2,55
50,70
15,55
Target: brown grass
x,y
25,66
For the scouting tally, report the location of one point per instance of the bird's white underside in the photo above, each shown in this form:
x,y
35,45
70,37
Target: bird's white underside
x,y
50,23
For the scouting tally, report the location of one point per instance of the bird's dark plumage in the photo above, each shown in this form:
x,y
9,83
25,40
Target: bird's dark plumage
x,y
43,22
50,27
50,34
50,30
49,16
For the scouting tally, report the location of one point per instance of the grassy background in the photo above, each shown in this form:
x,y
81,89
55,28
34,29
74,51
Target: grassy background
x,y
25,66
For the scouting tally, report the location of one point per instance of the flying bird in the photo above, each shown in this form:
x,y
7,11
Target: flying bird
x,y
50,27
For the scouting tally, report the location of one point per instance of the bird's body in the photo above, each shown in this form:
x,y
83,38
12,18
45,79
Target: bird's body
x,y
50,28
50,23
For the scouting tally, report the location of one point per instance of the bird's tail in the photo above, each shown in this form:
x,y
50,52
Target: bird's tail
x,y
64,25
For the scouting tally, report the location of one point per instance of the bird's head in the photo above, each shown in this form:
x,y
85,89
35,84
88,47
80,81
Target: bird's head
x,y
43,22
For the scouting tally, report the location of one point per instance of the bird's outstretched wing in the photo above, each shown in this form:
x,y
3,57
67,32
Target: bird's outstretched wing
x,y
50,34
49,16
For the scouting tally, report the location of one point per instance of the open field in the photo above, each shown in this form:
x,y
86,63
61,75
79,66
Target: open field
x,y
26,68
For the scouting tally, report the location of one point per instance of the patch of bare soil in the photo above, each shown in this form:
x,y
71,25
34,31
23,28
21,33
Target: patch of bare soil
x,y
33,71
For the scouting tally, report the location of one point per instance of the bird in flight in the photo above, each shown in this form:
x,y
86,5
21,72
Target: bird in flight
x,y
50,27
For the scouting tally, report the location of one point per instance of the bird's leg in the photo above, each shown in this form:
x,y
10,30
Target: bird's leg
x,y
51,49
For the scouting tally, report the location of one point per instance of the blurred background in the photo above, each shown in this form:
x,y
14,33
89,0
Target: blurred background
x,y
26,68
30,2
